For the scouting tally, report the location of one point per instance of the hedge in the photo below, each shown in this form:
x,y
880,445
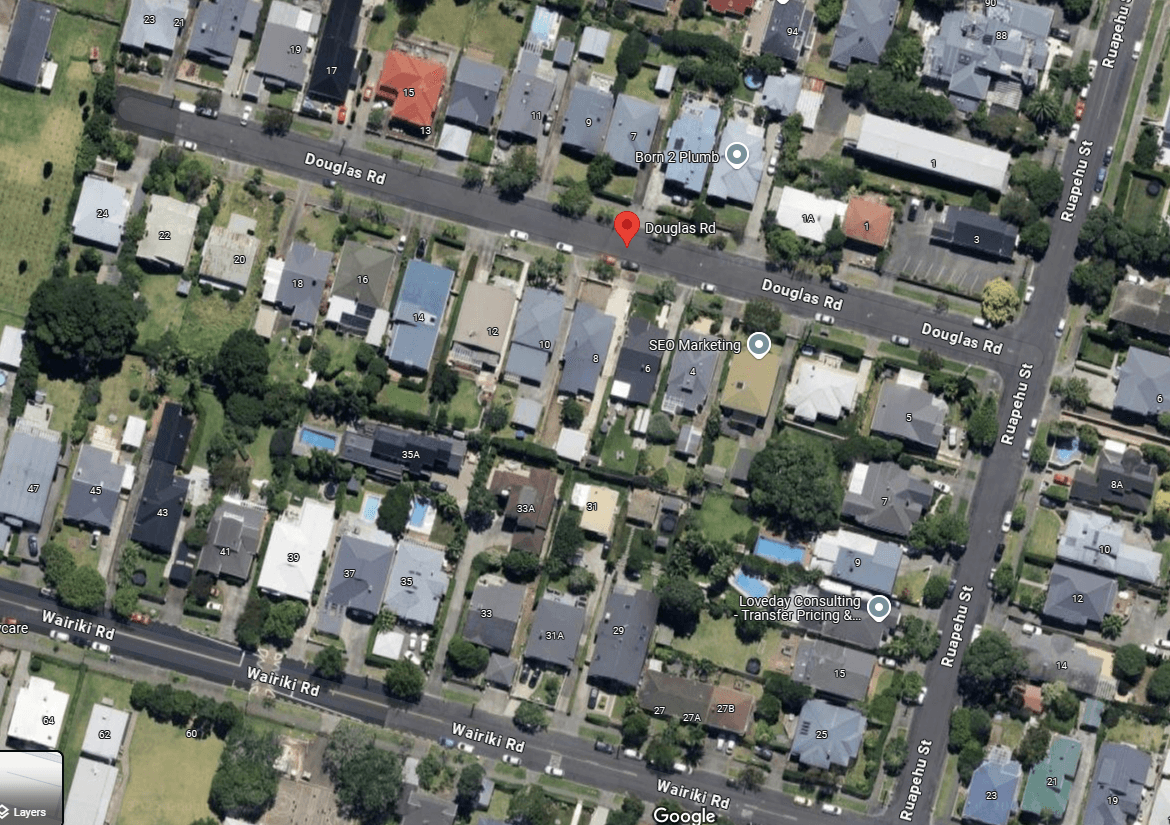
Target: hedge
x,y
847,351
527,451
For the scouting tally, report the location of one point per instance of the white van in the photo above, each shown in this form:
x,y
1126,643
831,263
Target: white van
x,y
1033,425
1137,50
980,322
953,437
1027,451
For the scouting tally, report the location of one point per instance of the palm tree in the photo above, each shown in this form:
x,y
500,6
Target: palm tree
x,y
1043,108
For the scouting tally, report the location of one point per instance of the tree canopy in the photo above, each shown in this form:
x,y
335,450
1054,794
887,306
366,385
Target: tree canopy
x,y
329,663
241,366
990,667
1129,663
795,483
517,175
467,658
245,782
83,588
394,510
530,716
405,680
680,604
1000,301
81,327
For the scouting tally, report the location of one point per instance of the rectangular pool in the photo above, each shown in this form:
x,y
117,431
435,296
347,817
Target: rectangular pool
x,y
318,439
750,586
779,551
418,512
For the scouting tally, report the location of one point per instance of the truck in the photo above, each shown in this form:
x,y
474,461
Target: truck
x,y
189,108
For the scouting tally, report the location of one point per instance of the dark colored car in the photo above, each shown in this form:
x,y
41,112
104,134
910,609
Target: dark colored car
x,y
604,747
438,486
34,545
534,678
999,551
1100,184
421,249
594,695
632,266
838,286
951,588
763,753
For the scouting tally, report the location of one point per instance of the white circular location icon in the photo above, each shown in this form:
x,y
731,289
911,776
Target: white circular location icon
x,y
878,608
758,344
736,154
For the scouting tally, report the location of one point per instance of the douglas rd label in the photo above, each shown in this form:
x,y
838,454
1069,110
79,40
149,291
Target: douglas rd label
x,y
342,169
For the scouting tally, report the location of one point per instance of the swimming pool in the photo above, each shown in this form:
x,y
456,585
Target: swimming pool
x,y
779,551
750,586
1067,454
418,512
370,507
318,439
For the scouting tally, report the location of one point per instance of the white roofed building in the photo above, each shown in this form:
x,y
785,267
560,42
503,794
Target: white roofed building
x,y
818,390
793,206
104,733
90,794
133,433
170,234
38,699
297,548
11,347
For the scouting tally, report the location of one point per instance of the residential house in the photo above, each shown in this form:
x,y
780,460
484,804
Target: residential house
x,y
1142,308
737,8
1077,597
674,697
793,207
381,450
299,546
360,287
692,134
105,733
36,700
862,635
618,658
586,349
1051,780
689,440
862,32
417,584
738,186
598,506
860,561
151,25
229,252
306,269
1055,656
482,326
28,41
781,93
751,383
156,522
1141,385
991,799
283,59
30,464
474,94
869,222
361,572
594,44
976,233
556,631
991,54
494,615
586,120
827,736
912,415
413,87
642,507
233,540
529,501
335,65
422,300
730,711
819,390
93,494
1095,541
818,664
174,431
421,808
692,372
90,794
527,93
638,365
1118,786
170,234
563,53
1123,479
631,131
501,672
886,498
133,433
217,27
526,414
101,213
538,325
785,17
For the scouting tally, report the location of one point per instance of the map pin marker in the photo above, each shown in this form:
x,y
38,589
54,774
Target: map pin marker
x,y
736,155
758,344
878,608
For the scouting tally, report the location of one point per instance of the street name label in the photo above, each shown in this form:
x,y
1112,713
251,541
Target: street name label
x,y
799,293
1017,412
697,795
342,169
916,775
80,625
283,681
487,737
958,623
1079,174
1116,37
960,339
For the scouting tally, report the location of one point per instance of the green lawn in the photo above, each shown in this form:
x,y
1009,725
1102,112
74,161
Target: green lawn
x,y
110,10
716,640
37,128
909,586
568,167
641,85
1131,731
718,521
65,396
623,185
946,787
210,319
210,74
465,404
306,127
157,793
609,65
726,449
94,688
318,226
643,307
619,440
445,21
258,450
212,412
403,399
1140,207
116,392
480,150
497,33
286,364
380,36
165,307
1042,537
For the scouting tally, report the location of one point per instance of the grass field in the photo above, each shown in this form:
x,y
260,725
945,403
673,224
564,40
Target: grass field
x,y
568,167
213,413
618,440
64,396
319,227
716,640
380,36
718,521
37,128
1131,731
94,688
445,21
1140,207
465,403
158,793
403,399
909,586
609,65
726,449
116,392
111,10
165,307
1041,540
496,32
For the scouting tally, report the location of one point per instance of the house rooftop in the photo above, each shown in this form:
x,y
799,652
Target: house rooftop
x,y
474,93
236,529
886,498
631,116
140,33
976,233
1060,764
223,248
860,561
862,33
794,205
422,301
677,696
751,382
93,495
105,733
594,43
36,700
691,134
555,632
598,506
1117,788
1126,480
618,658
303,540
494,615
1077,597
416,602
1141,307
90,793
586,349
28,40
486,307
170,233
29,464
336,58
638,365
1142,380
302,284
283,58
528,93
927,414
692,373
538,320
1095,541
992,796
818,390
404,71
100,198
817,663
217,28
827,736
160,509
793,15
738,185
586,119
869,221
362,591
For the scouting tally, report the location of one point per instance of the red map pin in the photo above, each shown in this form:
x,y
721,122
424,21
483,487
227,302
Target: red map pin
x,y
627,225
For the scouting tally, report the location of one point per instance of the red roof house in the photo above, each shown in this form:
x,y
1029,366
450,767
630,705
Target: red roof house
x,y
868,221
412,86
737,7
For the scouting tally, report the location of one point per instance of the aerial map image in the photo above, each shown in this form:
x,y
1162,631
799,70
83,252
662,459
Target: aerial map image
x,y
584,412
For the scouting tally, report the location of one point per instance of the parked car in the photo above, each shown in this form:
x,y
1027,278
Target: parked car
x,y
941,486
763,753
803,801
446,741
140,618
34,545
1164,644
1028,293
682,767
609,260
246,116
900,340
1109,156
679,200
48,592
189,145
205,111
1028,447
1029,629
1062,480
565,247
823,318
1063,35
594,695
100,647
921,697
981,322
886,661
951,585
999,551
551,771
1079,109
604,747
835,810
401,243
1092,69
1099,184
438,486
631,753
466,748
1074,133
421,249
706,287
912,211
79,640
11,620
632,266
838,286
977,629
329,183
58,635
720,744
517,235
534,678
511,759
1060,328
1007,521
1095,202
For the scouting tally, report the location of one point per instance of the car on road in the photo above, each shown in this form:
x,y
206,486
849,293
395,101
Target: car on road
x,y
205,111
1060,329
835,810
565,247
951,585
1095,202
48,592
58,635
981,322
34,545
823,318
706,287
921,697
446,741
900,340
802,801
551,771
1074,133
631,753
466,748
604,747
517,235
1079,110
1109,156
1164,644
100,647
1028,446
1092,69
975,631
838,286
1099,184
11,620
79,640
140,618
329,183
1028,293
632,266
999,551
763,753
1007,521
941,486
341,113
246,116
511,759
189,145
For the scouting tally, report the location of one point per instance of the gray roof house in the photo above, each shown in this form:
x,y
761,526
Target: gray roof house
x,y
1077,597
863,635
306,269
417,602
538,320
101,213
357,594
972,50
976,233
631,116
1125,480
379,448
827,736
1142,380
586,120
1095,541
142,36
527,94
927,413
693,131
777,41
818,661
217,27
283,58
664,83
585,350
422,300
474,94
501,672
865,27
738,186
1056,656
638,366
1118,785
690,438
93,495
886,498
237,530
494,615
618,657
781,93
29,465
992,796
563,54
556,632
878,566
359,288
28,40
692,371
594,44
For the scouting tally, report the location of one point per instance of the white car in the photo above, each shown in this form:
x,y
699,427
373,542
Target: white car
x,y
885,661
706,287
1060,329
981,322
100,647
835,810
58,635
466,748
565,247
921,697
517,235
1164,644
511,759
244,118
1027,451
802,801
1028,293
401,242
942,487
1092,69
900,340
551,771
1150,650
188,145
1007,521
1074,133
1029,629
822,318
975,631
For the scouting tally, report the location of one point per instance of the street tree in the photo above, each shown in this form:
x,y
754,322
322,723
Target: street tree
x,y
999,301
934,592
405,680
329,663
990,667
467,658
635,728
1129,663
277,121
83,588
283,621
531,717
516,175
575,199
469,787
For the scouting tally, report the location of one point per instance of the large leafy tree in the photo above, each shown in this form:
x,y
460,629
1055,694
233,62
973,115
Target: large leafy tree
x,y
469,787
517,175
242,364
283,621
80,327
405,680
531,806
1000,301
680,604
1092,283
794,481
368,787
467,658
936,532
58,563
83,589
990,667
394,511
983,425
245,782
1129,663
329,663
530,716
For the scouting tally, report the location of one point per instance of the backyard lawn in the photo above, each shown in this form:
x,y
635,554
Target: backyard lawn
x,y
94,687
1131,731
157,793
909,586
1140,206
403,399
64,396
380,36
445,21
165,307
715,639
609,65
1042,537
210,319
726,449
465,404
116,393
619,441
497,33
719,522
212,413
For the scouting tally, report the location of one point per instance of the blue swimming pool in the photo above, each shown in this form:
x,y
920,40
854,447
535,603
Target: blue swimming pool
x,y
542,22
779,551
318,439
750,586
1066,454
418,512
370,507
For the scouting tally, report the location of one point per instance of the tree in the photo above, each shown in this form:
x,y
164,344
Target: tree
x,y
245,783
631,53
680,604
600,172
517,175
83,588
581,581
1129,663
792,694
329,663
283,621
902,56
277,121
662,754
895,755
241,366
1034,239
1076,10
125,601
466,658
575,199
531,717
531,806
472,175
934,592
1040,453
1043,108
760,315
520,566
1033,747
209,99
1003,583
80,327
1074,393
635,728
794,482
1145,154
1018,208
405,680
990,667
1000,301
1158,688
394,511
912,683
192,177
983,424
444,384
496,418
1092,283
58,563
369,786
828,13
938,532
572,413
469,787
970,758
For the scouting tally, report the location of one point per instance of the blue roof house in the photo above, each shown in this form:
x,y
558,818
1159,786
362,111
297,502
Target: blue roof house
x,y
417,316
